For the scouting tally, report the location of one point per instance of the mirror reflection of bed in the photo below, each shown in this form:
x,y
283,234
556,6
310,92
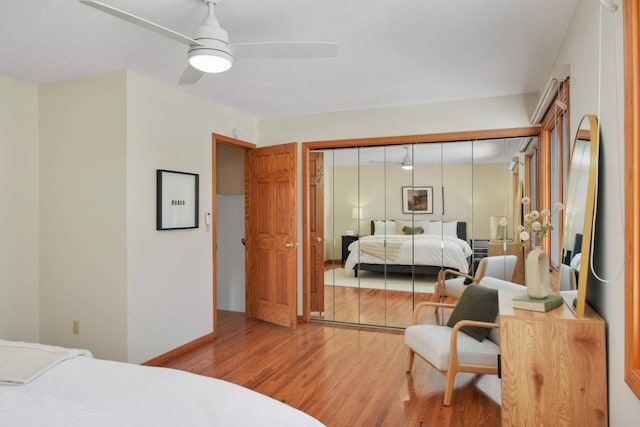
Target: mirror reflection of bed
x,y
468,183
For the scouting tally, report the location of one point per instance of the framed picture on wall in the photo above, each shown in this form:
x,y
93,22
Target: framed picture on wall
x,y
417,200
176,200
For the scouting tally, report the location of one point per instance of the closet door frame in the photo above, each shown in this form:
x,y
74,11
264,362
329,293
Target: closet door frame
x,y
523,132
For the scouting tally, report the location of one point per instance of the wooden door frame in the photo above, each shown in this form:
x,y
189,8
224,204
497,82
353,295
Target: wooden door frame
x,y
632,193
370,142
215,139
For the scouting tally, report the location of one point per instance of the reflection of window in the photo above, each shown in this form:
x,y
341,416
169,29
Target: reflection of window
x,y
553,165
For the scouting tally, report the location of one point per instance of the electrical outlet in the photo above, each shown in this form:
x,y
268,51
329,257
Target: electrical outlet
x,y
76,327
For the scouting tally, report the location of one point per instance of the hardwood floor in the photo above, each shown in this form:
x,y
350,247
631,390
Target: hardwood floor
x,y
343,376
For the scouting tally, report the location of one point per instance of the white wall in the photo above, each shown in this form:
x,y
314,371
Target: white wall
x,y
19,265
580,50
83,212
170,274
136,291
473,114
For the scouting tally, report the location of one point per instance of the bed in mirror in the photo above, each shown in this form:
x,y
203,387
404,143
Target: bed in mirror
x,y
579,214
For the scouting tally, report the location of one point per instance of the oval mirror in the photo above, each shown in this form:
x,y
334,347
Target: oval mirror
x,y
578,214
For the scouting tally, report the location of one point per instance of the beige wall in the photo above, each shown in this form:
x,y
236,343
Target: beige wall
x,y
19,227
83,212
82,159
170,273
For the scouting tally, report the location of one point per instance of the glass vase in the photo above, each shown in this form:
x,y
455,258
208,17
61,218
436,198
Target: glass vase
x,y
536,273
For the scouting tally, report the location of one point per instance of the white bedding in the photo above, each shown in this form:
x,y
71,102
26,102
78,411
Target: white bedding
x,y
417,249
83,391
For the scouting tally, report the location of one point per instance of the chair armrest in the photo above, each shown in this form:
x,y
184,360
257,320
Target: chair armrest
x,y
421,305
463,323
453,347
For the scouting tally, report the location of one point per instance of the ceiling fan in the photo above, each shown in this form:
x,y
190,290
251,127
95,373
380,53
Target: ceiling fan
x,y
406,163
209,48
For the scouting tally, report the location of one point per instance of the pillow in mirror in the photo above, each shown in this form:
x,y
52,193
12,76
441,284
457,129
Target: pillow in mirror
x,y
400,225
450,228
440,228
435,227
384,227
412,230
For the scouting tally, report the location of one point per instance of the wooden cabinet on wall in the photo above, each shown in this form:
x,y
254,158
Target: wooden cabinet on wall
x,y
509,248
554,367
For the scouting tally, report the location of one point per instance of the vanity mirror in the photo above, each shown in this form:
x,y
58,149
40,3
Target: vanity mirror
x,y
579,210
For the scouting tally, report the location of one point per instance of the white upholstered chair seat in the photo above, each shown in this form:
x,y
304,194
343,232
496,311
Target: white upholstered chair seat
x,y
436,348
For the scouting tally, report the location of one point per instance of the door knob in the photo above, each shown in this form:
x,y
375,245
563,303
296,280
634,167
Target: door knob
x,y
319,239
289,245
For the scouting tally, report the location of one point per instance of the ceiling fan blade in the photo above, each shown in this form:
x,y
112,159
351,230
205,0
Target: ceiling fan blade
x,y
285,49
118,13
190,75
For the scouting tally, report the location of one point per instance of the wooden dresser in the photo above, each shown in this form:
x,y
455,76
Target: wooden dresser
x,y
554,367
496,247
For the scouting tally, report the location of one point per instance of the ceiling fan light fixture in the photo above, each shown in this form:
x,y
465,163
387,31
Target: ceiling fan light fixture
x,y
210,61
213,55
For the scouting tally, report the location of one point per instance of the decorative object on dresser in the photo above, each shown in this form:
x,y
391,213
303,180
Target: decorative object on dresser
x,y
525,302
538,224
536,273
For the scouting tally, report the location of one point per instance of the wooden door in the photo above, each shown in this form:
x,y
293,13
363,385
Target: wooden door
x,y
316,225
272,234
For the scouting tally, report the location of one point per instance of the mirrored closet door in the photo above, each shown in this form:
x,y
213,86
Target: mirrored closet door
x,y
385,219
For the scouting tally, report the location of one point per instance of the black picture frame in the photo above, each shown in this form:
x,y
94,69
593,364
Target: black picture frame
x,y
177,200
417,200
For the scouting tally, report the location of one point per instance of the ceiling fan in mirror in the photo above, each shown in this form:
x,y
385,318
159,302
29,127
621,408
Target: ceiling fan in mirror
x,y
406,163
209,48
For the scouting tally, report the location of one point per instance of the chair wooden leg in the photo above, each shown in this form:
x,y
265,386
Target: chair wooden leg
x,y
448,388
410,360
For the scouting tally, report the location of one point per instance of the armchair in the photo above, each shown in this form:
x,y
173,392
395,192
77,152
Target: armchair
x,y
499,267
450,350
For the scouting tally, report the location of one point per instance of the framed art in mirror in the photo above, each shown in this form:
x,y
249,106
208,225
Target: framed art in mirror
x,y
417,200
176,200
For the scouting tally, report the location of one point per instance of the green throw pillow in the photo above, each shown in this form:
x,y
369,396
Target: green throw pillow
x,y
476,303
412,230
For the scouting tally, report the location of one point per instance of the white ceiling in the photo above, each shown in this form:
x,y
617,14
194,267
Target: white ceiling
x,y
397,52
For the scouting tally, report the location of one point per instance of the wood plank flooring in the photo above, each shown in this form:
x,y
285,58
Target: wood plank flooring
x,y
343,376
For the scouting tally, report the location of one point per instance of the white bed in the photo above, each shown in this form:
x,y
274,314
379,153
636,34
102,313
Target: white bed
x,y
418,249
79,390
